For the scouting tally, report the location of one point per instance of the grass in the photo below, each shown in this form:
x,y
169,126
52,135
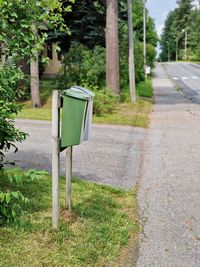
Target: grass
x,y
96,233
127,113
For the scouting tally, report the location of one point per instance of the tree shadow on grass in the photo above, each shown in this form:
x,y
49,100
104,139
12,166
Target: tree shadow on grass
x,y
98,207
38,192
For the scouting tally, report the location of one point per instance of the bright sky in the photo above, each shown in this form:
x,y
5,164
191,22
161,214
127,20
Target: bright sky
x,y
159,10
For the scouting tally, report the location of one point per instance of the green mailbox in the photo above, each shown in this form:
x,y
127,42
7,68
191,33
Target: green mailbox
x,y
75,104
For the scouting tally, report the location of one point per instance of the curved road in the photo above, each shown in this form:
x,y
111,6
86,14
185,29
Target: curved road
x,y
112,157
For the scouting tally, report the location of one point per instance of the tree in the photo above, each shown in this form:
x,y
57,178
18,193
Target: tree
x,y
87,23
18,39
112,46
179,21
35,82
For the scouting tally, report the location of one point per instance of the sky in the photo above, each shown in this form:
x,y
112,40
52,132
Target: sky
x,y
159,10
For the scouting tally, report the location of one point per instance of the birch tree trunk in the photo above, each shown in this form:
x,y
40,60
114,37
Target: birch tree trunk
x,y
35,88
112,46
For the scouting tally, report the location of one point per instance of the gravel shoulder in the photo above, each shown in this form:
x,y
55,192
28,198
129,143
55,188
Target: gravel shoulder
x,y
169,185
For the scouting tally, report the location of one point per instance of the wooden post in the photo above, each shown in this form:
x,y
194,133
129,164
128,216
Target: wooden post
x,y
131,53
68,197
144,39
55,159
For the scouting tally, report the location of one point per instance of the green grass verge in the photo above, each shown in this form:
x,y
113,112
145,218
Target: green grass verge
x,y
128,114
144,89
133,114
96,233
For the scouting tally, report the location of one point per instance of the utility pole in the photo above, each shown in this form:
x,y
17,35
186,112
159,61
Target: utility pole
x,y
131,52
144,40
168,54
177,49
186,41
186,37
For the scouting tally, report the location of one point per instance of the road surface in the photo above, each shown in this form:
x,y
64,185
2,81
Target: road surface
x,y
170,179
112,157
186,76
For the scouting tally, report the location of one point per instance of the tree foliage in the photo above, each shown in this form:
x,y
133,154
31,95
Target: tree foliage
x,y
87,24
18,21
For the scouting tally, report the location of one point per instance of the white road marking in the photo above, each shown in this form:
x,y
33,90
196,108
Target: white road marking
x,y
184,78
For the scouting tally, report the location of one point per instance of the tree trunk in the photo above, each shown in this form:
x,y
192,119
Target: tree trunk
x,y
112,46
35,89
3,56
131,52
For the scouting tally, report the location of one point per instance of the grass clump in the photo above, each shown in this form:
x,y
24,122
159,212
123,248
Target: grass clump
x,y
101,224
144,89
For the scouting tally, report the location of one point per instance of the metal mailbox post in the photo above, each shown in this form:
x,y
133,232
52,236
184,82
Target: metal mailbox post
x,y
77,103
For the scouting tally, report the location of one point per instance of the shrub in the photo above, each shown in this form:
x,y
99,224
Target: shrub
x,y
82,65
139,62
9,78
104,102
11,199
151,55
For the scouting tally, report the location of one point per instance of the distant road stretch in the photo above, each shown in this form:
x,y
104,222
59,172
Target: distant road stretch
x,y
187,76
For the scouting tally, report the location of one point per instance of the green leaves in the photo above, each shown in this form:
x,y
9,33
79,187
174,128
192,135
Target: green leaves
x,y
12,201
183,17
8,197
32,175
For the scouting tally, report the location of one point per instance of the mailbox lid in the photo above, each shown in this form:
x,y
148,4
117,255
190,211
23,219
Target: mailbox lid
x,y
75,92
85,90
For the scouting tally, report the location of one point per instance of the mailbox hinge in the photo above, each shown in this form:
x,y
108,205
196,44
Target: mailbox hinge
x,y
59,145
60,149
60,100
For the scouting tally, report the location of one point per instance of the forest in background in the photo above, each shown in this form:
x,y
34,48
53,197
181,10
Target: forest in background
x,y
84,50
180,39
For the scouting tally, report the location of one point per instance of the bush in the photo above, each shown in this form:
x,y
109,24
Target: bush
x,y
139,62
11,199
144,89
104,101
82,65
151,55
9,78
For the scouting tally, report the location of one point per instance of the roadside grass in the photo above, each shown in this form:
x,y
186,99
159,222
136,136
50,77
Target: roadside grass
x,y
127,113
144,89
99,229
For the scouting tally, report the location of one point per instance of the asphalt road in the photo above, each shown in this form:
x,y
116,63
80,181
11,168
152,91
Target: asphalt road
x,y
112,157
170,186
186,76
